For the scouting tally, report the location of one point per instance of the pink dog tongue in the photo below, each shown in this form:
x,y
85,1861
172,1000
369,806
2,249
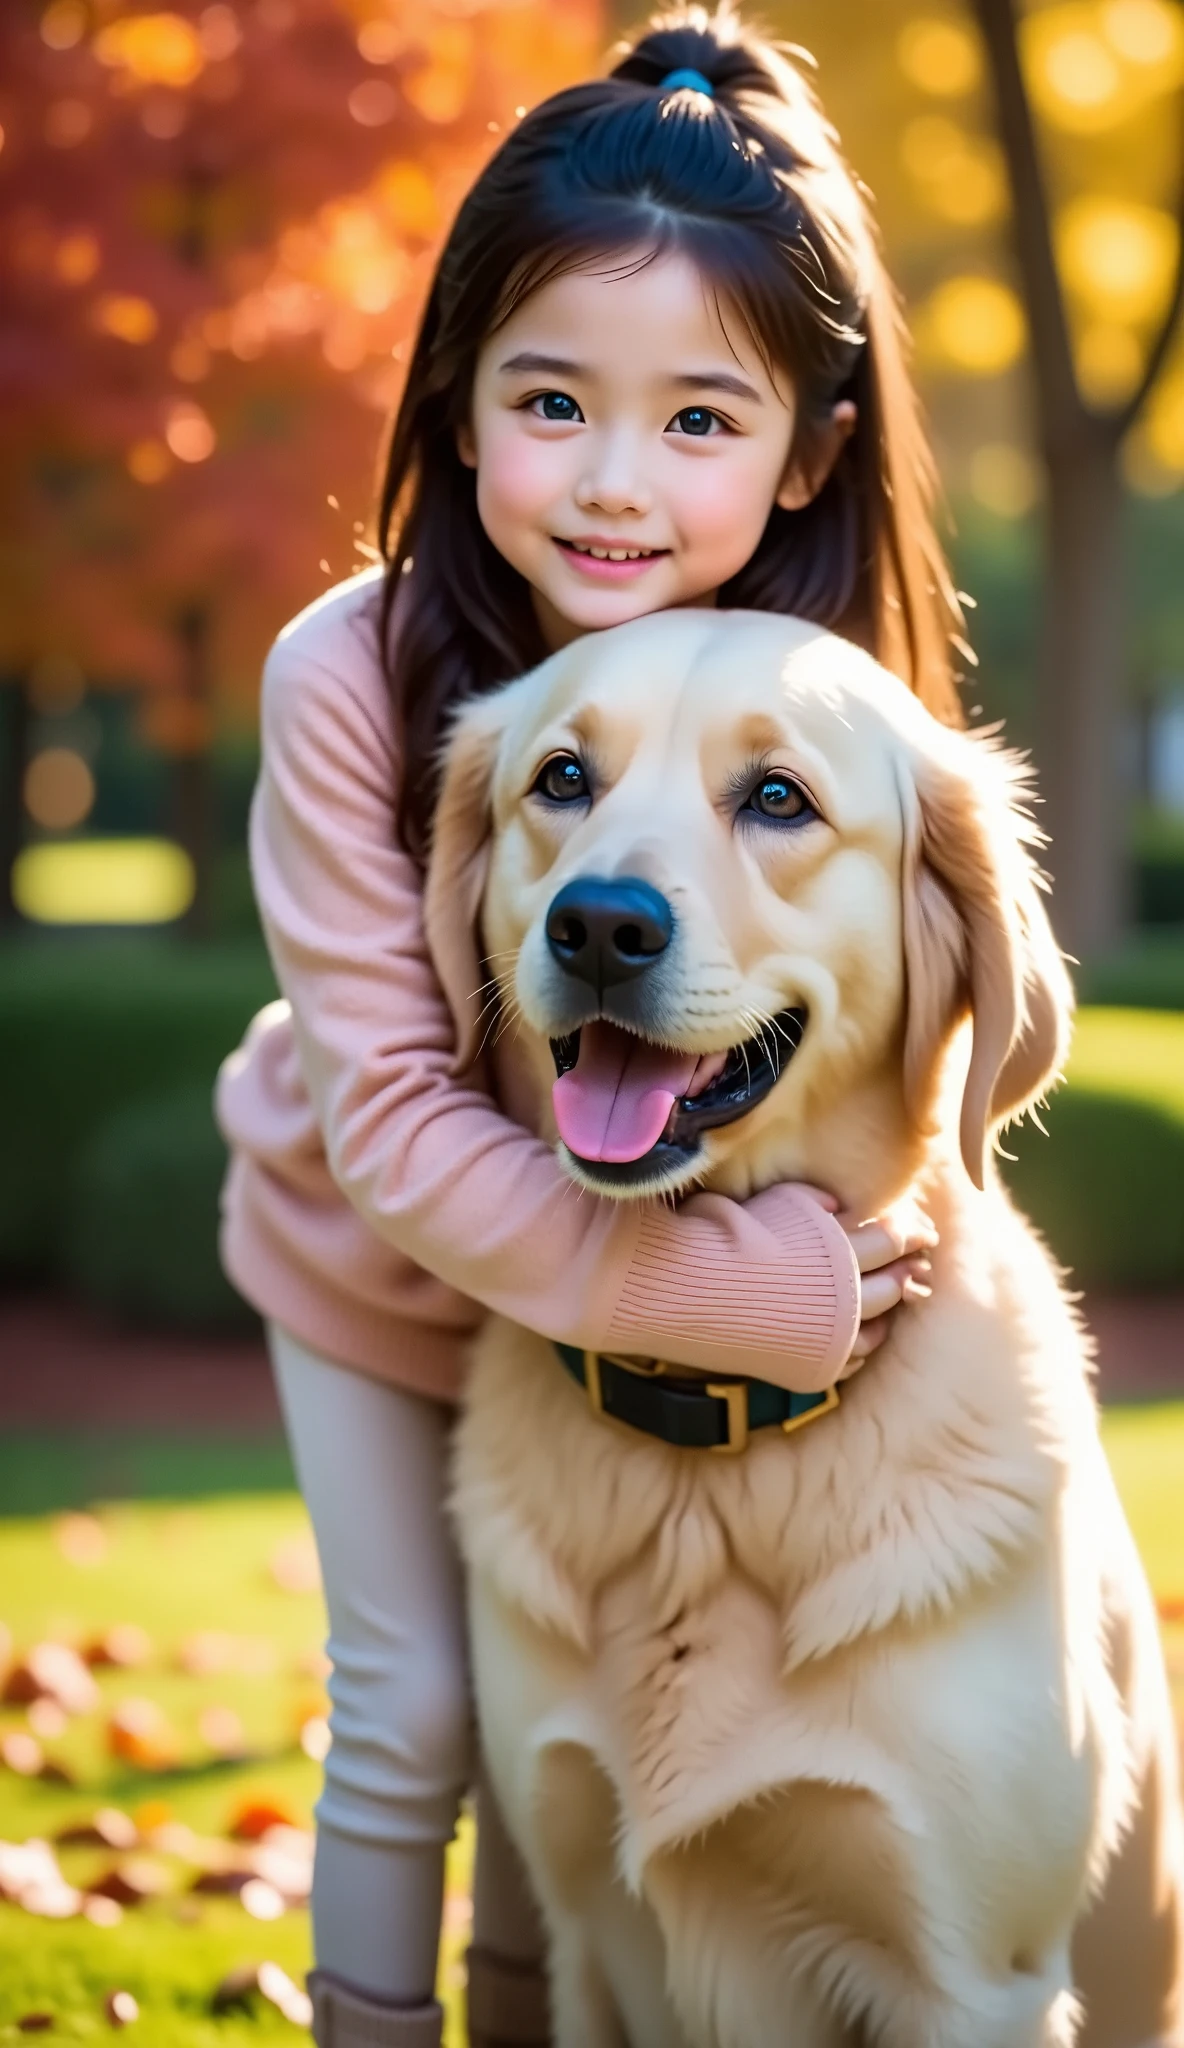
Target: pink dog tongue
x,y
615,1102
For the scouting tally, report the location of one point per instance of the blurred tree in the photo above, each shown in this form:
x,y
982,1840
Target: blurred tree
x,y
215,226
1081,440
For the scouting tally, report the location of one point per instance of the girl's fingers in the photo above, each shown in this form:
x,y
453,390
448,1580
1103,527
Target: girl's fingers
x,y
819,1195
890,1285
887,1238
869,1338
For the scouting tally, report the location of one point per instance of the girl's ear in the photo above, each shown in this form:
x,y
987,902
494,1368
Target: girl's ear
x,y
977,939
808,471
459,863
466,445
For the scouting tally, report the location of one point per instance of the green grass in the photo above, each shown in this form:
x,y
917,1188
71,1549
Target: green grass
x,y
176,1569
183,1566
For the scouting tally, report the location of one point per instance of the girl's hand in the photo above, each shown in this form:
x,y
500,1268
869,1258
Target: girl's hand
x,y
891,1252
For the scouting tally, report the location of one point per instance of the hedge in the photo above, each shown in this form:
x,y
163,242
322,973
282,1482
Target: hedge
x,y
87,1027
139,1229
110,1163
1106,1186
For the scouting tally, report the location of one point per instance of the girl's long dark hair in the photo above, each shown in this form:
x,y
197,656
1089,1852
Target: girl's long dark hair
x,y
751,186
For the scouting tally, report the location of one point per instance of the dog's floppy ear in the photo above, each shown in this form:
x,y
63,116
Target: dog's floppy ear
x,y
977,939
458,865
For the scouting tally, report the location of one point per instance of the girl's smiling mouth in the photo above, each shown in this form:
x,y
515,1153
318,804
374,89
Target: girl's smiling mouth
x,y
608,561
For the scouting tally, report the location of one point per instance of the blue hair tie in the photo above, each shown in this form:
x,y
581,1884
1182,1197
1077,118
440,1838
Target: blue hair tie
x,y
687,81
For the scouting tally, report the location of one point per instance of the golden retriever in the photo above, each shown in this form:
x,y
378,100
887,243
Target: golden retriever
x,y
833,1741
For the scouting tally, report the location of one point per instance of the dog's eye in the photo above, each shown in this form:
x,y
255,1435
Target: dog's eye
x,y
782,799
561,780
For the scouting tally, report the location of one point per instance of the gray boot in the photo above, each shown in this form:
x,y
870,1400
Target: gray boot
x,y
508,2002
343,2018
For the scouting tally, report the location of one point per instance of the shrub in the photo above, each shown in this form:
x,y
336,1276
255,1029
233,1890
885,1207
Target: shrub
x,y
139,1231
1105,1185
1146,974
86,1027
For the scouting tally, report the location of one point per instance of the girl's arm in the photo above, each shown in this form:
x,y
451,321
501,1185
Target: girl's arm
x,y
768,1288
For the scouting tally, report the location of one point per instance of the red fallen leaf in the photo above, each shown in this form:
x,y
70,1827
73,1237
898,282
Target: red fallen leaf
x,y
107,1829
138,1734
1171,1607
52,1671
121,1648
251,1821
121,2008
35,2022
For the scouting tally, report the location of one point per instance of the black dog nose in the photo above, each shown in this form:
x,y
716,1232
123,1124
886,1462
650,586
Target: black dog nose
x,y
607,932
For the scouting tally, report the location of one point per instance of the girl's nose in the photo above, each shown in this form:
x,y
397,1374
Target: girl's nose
x,y
613,481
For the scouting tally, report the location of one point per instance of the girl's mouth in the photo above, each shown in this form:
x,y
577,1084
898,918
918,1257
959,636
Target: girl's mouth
x,y
604,563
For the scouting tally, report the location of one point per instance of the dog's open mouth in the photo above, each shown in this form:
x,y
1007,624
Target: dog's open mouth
x,y
631,1112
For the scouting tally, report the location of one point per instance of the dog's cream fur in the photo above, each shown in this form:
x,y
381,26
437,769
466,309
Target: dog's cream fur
x,y
832,1743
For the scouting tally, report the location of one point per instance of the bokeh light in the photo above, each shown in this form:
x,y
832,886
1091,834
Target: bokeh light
x,y
1116,256
103,881
149,461
189,432
941,56
57,686
152,49
63,24
960,177
1089,68
1109,362
58,789
1004,479
974,325
126,317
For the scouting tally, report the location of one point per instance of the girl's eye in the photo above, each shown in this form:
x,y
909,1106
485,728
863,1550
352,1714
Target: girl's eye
x,y
696,420
555,405
781,799
561,780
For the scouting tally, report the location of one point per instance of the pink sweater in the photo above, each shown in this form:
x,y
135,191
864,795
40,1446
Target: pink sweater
x,y
377,1200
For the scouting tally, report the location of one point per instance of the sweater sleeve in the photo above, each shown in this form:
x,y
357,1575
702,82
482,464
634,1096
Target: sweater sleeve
x,y
767,1288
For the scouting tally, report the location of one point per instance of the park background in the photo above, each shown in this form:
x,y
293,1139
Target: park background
x,y
216,226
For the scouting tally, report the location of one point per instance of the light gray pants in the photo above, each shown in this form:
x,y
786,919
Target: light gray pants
x,y
371,1460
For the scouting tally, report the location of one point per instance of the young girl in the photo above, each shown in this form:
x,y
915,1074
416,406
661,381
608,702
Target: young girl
x,y
660,364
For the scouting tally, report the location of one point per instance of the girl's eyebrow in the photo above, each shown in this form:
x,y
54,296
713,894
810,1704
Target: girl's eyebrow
x,y
551,366
717,380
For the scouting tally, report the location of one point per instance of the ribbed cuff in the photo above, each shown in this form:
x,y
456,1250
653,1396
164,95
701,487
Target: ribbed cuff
x,y
695,1290
508,2003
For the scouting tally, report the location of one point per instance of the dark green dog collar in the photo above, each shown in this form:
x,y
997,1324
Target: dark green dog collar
x,y
695,1414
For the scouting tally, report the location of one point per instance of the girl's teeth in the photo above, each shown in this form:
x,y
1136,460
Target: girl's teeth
x,y
613,554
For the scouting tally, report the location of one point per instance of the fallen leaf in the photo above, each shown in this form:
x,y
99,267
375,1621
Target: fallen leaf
x,y
55,1773
138,1733
226,1882
35,2022
101,1912
151,1814
55,1900
221,1730
82,1539
315,1739
132,1881
121,2008
251,1821
107,1829
47,1720
261,1900
52,1671
22,1753
205,1653
271,1983
295,1566
121,1648
1171,1606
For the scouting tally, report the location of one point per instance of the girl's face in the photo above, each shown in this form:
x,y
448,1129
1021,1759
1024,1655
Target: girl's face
x,y
629,444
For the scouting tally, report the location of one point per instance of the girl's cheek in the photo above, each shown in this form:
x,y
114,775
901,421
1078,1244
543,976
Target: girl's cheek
x,y
726,506
518,478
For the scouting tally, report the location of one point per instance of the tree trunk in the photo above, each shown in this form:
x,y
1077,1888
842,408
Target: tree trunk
x,y
1081,757
14,753
194,822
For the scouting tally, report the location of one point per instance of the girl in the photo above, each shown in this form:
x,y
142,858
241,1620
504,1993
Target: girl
x,y
660,364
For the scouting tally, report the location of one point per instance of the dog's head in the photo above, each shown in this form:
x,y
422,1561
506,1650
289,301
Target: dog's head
x,y
728,875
